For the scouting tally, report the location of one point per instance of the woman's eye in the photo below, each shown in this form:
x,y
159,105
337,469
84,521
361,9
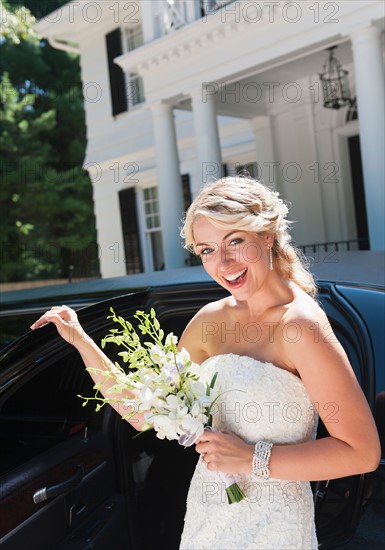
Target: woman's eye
x,y
205,251
236,241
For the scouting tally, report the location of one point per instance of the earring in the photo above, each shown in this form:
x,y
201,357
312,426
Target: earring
x,y
271,259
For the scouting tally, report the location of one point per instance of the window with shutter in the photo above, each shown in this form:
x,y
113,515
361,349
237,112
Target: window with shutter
x,y
129,217
186,191
133,39
187,200
116,74
153,229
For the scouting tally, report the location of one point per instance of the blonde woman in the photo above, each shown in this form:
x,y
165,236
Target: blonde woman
x,y
279,365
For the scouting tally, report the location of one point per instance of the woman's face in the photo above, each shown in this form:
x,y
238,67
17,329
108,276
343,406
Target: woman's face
x,y
237,260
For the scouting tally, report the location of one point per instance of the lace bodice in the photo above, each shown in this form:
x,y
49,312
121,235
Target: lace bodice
x,y
260,401
257,401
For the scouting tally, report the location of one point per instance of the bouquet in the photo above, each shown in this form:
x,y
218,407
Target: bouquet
x,y
173,395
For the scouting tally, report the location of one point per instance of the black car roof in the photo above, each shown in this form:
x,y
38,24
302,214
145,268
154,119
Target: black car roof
x,y
357,268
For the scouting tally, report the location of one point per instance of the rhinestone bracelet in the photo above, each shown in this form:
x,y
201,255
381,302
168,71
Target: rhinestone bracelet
x,y
261,458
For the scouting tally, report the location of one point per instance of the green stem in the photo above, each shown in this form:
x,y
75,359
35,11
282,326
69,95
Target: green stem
x,y
234,493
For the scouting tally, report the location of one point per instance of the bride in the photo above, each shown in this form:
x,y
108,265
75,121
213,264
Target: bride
x,y
279,367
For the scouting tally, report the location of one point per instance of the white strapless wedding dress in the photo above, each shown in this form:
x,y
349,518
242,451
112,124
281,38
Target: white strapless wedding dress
x,y
258,401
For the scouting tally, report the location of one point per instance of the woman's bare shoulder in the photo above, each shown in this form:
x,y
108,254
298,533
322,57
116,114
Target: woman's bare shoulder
x,y
193,337
303,309
306,331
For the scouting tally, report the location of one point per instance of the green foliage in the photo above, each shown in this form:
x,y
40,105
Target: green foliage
x,y
47,221
127,337
17,23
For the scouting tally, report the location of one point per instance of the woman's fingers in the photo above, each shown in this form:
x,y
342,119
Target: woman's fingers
x,y
55,315
65,320
207,442
49,317
43,320
226,452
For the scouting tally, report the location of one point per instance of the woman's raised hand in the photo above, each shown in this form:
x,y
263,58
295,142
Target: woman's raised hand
x,y
66,322
69,328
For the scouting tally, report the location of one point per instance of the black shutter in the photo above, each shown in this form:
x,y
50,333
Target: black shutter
x,y
116,74
129,217
186,191
187,200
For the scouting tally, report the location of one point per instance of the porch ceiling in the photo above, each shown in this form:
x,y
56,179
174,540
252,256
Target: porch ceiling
x,y
237,96
225,53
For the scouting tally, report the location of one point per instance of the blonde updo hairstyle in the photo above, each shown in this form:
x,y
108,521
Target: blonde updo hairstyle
x,y
245,204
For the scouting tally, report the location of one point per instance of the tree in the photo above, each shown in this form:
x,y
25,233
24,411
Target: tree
x,y
47,222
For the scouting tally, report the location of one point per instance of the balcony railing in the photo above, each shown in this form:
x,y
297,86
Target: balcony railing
x,y
337,246
210,6
171,15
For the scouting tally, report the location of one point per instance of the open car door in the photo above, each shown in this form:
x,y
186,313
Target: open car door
x,y
61,476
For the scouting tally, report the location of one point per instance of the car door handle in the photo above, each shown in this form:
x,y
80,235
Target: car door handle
x,y
60,488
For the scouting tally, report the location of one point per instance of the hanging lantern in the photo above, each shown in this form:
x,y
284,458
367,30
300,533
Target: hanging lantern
x,y
335,83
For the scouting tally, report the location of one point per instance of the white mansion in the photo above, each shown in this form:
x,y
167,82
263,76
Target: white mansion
x,y
178,92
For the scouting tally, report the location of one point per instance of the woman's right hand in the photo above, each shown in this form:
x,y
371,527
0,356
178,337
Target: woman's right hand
x,y
69,328
67,324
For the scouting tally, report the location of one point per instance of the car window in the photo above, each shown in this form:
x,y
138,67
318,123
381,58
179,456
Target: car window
x,y
13,325
44,411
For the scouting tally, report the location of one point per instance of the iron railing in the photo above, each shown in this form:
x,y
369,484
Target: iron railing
x,y
338,246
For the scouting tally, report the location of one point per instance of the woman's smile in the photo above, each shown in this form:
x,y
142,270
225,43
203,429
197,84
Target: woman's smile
x,y
236,279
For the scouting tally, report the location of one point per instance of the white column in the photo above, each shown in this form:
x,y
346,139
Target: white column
x,y
169,184
264,152
206,135
369,77
147,10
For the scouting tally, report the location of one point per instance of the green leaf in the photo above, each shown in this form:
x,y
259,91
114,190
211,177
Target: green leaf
x,y
213,380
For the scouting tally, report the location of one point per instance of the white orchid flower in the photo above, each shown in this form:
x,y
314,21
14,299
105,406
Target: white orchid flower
x,y
171,374
183,357
149,399
171,340
198,388
192,426
157,355
166,427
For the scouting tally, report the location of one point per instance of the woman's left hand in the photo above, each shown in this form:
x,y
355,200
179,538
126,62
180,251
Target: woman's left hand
x,y
225,451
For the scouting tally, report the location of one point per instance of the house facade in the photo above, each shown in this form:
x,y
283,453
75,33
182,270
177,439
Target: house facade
x,y
179,92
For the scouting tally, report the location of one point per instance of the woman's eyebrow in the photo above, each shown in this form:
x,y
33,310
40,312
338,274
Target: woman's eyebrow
x,y
224,238
229,234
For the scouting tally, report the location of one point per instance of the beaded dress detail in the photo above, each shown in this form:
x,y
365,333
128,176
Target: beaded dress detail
x,y
257,401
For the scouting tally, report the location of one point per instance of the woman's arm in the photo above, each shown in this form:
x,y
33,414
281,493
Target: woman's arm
x,y
69,328
352,446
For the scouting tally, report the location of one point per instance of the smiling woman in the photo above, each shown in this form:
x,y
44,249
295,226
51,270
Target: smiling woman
x,y
279,366
239,228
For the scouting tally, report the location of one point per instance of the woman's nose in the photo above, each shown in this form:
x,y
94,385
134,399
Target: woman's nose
x,y
227,257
